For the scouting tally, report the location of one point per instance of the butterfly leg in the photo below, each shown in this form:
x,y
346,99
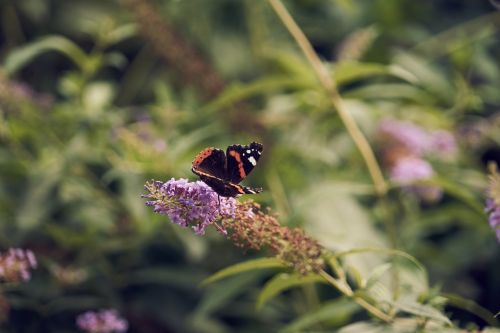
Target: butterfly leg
x,y
218,227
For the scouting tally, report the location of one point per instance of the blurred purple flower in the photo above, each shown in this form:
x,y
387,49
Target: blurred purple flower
x,y
104,321
493,199
443,142
188,203
411,136
493,211
15,265
21,90
410,169
417,140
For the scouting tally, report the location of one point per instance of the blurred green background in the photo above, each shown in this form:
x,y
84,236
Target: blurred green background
x,y
96,97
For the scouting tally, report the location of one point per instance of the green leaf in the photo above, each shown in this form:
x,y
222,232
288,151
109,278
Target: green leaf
x,y
338,221
333,313
430,76
261,263
472,307
121,33
421,310
291,65
238,92
376,274
397,91
283,282
21,56
460,192
355,275
219,295
348,71
390,252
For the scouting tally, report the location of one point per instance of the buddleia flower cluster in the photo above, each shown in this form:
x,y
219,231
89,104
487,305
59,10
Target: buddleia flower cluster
x,y
188,204
252,228
16,265
406,147
103,321
196,205
493,201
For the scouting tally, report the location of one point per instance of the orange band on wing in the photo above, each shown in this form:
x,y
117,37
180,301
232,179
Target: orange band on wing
x,y
202,155
241,170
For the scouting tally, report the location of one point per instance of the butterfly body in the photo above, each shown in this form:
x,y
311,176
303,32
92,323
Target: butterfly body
x,y
224,171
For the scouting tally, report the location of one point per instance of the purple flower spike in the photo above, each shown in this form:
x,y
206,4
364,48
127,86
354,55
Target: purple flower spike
x,y
104,321
493,211
411,136
411,169
187,203
493,200
15,265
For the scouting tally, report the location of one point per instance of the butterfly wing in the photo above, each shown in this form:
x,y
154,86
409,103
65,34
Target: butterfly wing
x,y
241,160
210,162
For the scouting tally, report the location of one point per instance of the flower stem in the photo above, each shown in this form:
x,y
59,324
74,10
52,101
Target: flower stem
x,y
329,85
326,80
346,290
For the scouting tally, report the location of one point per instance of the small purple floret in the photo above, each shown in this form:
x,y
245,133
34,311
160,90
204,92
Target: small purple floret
x,y
104,321
15,265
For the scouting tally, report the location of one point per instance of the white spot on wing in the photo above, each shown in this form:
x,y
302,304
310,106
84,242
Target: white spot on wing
x,y
248,151
252,160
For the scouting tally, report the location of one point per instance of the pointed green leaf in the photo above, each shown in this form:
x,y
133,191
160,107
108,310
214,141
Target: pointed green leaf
x,y
421,310
390,252
238,92
348,71
376,274
356,275
222,293
334,313
243,267
396,91
458,191
21,56
471,306
283,282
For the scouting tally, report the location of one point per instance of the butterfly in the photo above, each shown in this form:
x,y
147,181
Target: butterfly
x,y
223,172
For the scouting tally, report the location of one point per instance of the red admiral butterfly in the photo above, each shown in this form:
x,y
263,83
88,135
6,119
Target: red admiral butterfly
x,y
223,172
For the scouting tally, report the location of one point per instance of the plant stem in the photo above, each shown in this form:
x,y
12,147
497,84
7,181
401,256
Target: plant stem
x,y
326,80
329,85
346,290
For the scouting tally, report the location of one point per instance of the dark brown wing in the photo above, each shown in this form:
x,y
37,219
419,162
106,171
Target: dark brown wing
x,y
241,160
212,162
